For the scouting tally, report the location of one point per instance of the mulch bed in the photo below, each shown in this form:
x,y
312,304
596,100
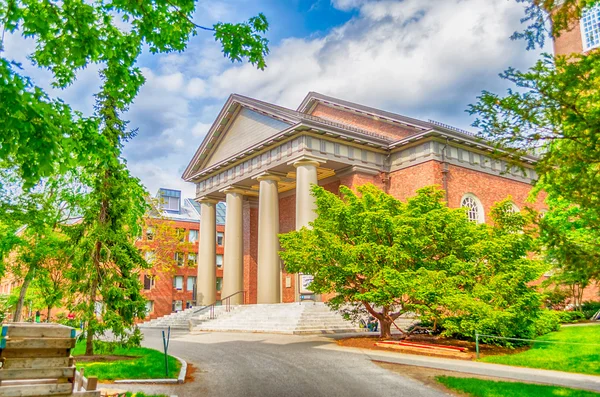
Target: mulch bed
x,y
368,342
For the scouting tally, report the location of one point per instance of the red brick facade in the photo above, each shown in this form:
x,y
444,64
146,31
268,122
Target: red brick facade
x,y
163,293
362,121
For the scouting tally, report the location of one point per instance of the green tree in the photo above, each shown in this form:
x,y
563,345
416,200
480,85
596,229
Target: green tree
x,y
571,245
69,36
552,109
421,257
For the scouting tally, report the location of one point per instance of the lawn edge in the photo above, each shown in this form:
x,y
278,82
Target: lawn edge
x,y
180,378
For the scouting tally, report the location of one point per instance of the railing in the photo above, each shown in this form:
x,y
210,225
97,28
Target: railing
x,y
219,302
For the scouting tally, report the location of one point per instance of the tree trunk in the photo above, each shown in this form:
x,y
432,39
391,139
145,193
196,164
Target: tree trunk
x,y
385,328
91,317
20,302
48,320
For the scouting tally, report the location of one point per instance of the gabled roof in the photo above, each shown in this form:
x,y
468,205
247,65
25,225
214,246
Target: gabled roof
x,y
314,97
290,117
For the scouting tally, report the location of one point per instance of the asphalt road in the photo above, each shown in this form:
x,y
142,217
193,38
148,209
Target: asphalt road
x,y
265,365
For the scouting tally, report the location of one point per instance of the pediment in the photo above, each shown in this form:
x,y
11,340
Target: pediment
x,y
245,130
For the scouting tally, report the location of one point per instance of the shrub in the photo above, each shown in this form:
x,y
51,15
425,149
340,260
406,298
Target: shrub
x,y
590,308
548,321
570,317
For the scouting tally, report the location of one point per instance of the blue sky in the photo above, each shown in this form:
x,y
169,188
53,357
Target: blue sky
x,y
423,58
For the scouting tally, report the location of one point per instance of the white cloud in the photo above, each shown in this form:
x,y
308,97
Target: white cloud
x,y
421,57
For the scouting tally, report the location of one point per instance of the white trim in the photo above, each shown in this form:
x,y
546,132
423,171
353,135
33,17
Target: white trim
x,y
479,207
595,9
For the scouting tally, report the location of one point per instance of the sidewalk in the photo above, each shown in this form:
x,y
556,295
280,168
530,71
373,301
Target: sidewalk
x,y
557,378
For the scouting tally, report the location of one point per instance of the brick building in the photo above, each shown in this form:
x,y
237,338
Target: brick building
x,y
582,36
172,288
262,159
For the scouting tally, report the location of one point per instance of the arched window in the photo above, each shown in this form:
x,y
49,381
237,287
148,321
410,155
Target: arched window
x,y
513,209
474,208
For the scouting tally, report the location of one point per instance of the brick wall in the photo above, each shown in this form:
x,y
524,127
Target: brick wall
x,y
362,121
162,293
569,41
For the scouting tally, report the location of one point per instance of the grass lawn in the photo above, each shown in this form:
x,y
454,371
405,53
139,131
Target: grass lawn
x,y
140,394
583,359
137,363
489,388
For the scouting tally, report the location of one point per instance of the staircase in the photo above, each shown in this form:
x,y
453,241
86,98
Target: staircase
x,y
286,318
181,319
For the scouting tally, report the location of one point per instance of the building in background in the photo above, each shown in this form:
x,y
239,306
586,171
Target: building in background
x,y
582,36
173,233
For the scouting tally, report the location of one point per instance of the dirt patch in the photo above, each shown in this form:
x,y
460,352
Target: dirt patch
x,y
427,376
189,375
368,342
101,358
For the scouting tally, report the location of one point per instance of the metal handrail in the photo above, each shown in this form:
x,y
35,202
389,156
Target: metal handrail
x,y
227,300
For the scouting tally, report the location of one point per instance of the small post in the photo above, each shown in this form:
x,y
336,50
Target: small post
x,y
166,347
477,345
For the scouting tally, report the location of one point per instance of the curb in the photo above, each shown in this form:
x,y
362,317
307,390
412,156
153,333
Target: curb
x,y
180,378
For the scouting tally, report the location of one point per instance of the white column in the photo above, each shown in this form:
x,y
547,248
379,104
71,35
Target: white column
x,y
269,270
206,289
233,265
306,176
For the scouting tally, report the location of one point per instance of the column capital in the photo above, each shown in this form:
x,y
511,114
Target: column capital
x,y
268,176
234,189
207,200
306,160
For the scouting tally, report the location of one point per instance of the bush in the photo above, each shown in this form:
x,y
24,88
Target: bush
x,y
590,308
548,321
570,317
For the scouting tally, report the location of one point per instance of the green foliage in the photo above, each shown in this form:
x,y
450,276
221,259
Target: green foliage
x,y
42,137
420,257
590,308
488,388
567,317
581,357
547,321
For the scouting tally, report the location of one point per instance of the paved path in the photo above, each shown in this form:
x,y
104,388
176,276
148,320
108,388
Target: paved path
x,y
246,364
265,365
580,381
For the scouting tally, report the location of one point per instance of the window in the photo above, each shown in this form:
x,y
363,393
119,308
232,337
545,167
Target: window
x,y
149,307
180,234
150,255
590,28
193,236
150,233
191,260
148,282
513,209
219,283
177,306
170,203
220,238
474,208
179,258
98,308
219,260
191,283
178,282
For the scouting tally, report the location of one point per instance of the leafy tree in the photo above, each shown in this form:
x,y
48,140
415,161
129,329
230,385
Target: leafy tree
x,y
572,246
69,36
422,257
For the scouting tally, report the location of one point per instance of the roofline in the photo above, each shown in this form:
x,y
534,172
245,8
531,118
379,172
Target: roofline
x,y
409,121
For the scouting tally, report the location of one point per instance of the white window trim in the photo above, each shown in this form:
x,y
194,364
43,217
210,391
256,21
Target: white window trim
x,y
480,210
584,43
